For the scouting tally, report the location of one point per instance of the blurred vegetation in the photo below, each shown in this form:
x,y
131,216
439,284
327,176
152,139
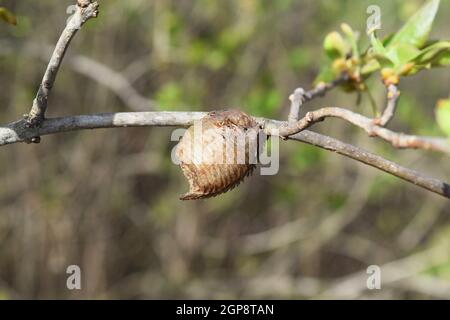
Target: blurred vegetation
x,y
107,200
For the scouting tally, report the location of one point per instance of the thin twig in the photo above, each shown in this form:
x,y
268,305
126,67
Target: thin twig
x,y
299,97
19,132
85,10
392,100
373,160
322,88
398,140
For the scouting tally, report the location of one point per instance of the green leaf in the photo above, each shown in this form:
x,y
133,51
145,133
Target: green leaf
x,y
388,39
335,45
370,66
377,45
352,38
433,52
415,32
443,115
380,52
401,53
7,16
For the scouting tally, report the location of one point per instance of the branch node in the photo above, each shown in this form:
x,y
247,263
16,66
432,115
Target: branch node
x,y
309,117
84,3
297,99
85,11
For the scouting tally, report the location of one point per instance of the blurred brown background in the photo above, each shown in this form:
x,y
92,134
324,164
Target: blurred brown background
x,y
107,200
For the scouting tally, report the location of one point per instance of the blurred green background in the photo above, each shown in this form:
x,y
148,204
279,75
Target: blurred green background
x,y
107,200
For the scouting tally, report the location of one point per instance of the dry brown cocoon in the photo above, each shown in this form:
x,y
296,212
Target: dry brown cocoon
x,y
218,152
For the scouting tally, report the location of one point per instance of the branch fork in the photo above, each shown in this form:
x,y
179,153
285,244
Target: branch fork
x,y
85,10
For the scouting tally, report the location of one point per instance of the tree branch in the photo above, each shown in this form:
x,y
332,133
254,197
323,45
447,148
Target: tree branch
x,y
398,140
392,100
35,124
373,160
85,10
20,132
299,97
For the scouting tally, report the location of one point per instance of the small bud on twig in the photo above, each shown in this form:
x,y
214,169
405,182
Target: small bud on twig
x,y
83,3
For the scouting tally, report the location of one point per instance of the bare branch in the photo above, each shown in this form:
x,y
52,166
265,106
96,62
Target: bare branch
x,y
299,96
398,140
373,160
85,10
297,99
19,132
392,100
